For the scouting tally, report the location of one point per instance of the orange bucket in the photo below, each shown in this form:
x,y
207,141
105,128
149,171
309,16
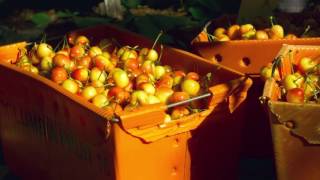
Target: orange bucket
x,y
49,133
295,127
248,56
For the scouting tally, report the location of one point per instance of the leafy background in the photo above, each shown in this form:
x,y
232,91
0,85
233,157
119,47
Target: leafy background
x,y
180,30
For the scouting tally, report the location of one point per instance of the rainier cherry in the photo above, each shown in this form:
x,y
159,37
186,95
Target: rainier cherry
x,y
46,64
77,51
100,100
193,76
84,61
61,60
291,81
119,95
81,74
103,63
165,81
70,85
178,77
164,93
159,72
190,86
120,78
139,97
97,75
88,92
266,72
147,87
59,74
261,35
44,50
179,112
152,99
295,95
306,64
94,51
82,40
234,31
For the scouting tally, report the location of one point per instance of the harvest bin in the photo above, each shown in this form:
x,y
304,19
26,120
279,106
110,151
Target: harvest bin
x,y
248,56
295,127
49,133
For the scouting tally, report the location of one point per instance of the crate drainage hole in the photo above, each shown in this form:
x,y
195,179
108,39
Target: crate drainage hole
x,y
174,171
245,62
218,57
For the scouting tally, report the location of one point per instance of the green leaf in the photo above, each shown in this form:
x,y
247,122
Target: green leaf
x,y
144,25
197,13
91,21
66,14
171,22
131,3
41,19
214,6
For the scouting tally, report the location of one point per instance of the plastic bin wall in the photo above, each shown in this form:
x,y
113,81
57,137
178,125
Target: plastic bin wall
x,y
48,133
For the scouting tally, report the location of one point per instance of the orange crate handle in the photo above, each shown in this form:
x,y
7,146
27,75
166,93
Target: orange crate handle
x,y
234,92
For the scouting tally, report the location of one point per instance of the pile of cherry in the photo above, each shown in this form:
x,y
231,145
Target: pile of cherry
x,y
111,76
302,85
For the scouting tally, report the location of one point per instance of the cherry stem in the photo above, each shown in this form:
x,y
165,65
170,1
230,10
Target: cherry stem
x,y
58,45
116,42
205,28
100,75
291,60
105,46
44,37
65,42
306,30
211,38
157,39
271,20
160,56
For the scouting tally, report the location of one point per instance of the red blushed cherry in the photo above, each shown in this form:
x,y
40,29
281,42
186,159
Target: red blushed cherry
x,y
142,78
306,64
59,74
119,95
148,54
81,74
295,95
165,81
131,64
193,76
103,63
179,112
178,77
94,51
81,40
148,67
65,51
77,51
61,60
85,62
179,96
128,54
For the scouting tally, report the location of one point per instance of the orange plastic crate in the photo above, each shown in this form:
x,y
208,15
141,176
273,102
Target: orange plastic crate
x,y
295,127
49,133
